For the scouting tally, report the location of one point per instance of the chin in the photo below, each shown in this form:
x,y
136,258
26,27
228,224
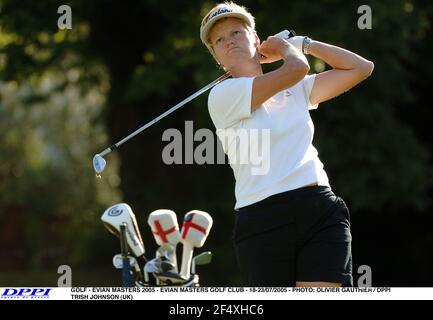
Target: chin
x,y
234,61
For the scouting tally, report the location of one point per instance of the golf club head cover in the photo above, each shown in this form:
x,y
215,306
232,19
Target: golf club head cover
x,y
165,228
196,227
120,213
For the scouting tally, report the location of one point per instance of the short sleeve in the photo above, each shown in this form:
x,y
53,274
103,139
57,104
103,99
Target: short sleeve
x,y
230,101
307,86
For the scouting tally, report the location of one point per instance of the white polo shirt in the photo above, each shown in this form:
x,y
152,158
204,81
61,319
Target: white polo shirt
x,y
270,150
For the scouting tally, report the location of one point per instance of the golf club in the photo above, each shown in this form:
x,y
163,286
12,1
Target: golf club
x,y
98,160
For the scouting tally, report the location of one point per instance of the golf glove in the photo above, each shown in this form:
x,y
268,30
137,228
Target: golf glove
x,y
295,41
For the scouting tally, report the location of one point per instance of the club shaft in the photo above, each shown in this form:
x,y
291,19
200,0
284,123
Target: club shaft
x,y
173,257
186,259
127,279
123,241
180,104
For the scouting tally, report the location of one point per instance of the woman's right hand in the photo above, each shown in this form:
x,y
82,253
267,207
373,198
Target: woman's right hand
x,y
274,49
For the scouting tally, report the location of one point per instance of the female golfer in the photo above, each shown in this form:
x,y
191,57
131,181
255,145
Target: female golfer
x,y
291,229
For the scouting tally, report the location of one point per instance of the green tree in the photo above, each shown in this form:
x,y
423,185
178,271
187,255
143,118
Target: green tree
x,y
145,57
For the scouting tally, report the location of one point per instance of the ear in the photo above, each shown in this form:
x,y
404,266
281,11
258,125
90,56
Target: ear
x,y
219,63
212,52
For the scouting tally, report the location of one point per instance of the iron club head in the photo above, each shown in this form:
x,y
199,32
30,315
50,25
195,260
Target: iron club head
x,y
98,163
201,259
118,261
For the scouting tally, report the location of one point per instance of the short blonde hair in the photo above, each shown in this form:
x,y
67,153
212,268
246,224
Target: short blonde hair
x,y
227,9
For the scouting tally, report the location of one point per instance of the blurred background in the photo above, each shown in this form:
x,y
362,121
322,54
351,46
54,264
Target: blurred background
x,y
68,94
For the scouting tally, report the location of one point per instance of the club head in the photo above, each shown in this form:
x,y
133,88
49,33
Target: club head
x,y
98,163
165,250
201,259
167,266
159,264
118,261
151,267
167,253
171,278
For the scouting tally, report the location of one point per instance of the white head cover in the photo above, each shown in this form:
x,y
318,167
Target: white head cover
x,y
165,228
120,213
196,227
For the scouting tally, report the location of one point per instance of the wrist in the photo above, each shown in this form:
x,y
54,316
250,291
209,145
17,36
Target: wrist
x,y
306,43
296,42
290,51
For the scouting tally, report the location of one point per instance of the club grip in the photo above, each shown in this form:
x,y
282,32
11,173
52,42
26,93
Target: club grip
x,y
286,34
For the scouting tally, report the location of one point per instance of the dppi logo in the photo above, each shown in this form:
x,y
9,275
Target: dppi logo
x,y
115,212
25,293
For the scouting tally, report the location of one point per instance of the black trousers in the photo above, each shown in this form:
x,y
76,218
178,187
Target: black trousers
x,y
298,235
